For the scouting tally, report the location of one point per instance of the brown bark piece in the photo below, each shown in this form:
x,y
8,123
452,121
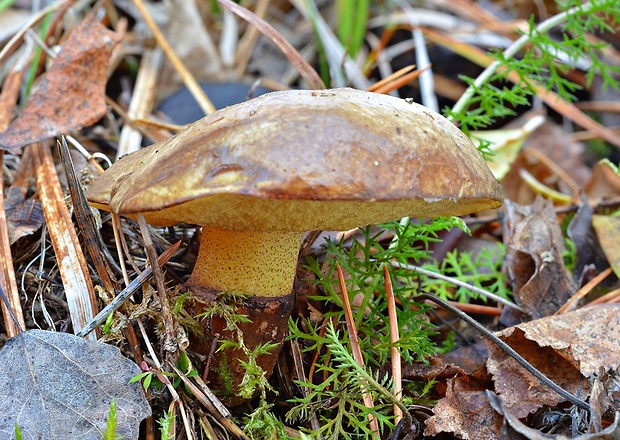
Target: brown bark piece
x,y
534,263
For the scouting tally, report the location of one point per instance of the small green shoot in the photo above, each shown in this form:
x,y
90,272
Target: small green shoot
x,y
18,432
166,425
254,377
106,328
151,376
352,21
110,427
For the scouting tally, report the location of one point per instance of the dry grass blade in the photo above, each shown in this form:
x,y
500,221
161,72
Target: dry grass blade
x,y
141,101
459,283
402,81
11,46
581,293
85,220
300,375
609,297
175,338
355,346
305,70
8,282
173,392
8,98
393,77
131,288
248,41
394,337
79,291
202,393
189,80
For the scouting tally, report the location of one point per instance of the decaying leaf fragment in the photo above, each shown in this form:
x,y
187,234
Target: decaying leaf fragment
x,y
570,349
534,265
567,348
608,231
71,94
24,217
465,411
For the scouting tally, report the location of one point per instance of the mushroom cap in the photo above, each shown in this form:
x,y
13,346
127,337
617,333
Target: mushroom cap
x,y
304,160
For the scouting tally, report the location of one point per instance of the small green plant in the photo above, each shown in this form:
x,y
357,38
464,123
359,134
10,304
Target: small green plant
x,y
110,428
152,376
339,396
352,21
166,426
263,424
254,377
336,397
483,271
18,432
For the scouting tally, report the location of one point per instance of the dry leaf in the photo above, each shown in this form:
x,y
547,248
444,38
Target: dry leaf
x,y
567,348
589,255
71,94
506,144
465,411
604,183
608,231
56,385
23,217
534,264
552,141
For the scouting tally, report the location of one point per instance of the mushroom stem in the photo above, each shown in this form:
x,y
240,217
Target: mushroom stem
x,y
254,262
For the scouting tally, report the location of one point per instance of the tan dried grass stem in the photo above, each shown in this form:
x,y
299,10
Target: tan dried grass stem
x,y
394,337
355,346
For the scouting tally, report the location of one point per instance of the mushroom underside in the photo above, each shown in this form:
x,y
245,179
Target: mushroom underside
x,y
242,213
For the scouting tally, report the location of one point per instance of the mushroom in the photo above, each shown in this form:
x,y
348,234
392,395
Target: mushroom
x,y
257,175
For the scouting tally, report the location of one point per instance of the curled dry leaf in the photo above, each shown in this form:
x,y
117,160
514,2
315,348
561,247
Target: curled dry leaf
x,y
604,183
71,94
608,231
56,385
534,264
465,411
567,348
24,217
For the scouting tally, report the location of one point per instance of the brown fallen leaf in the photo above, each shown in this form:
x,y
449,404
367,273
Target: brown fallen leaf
x,y
465,411
567,348
589,256
71,94
604,183
23,217
534,264
608,232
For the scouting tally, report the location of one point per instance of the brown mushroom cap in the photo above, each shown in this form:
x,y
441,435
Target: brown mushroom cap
x,y
304,160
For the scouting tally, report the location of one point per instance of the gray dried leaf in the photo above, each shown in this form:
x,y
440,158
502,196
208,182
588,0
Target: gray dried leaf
x,y
56,385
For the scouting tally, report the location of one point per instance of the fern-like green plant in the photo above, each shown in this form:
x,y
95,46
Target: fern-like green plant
x,y
483,270
339,397
538,57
